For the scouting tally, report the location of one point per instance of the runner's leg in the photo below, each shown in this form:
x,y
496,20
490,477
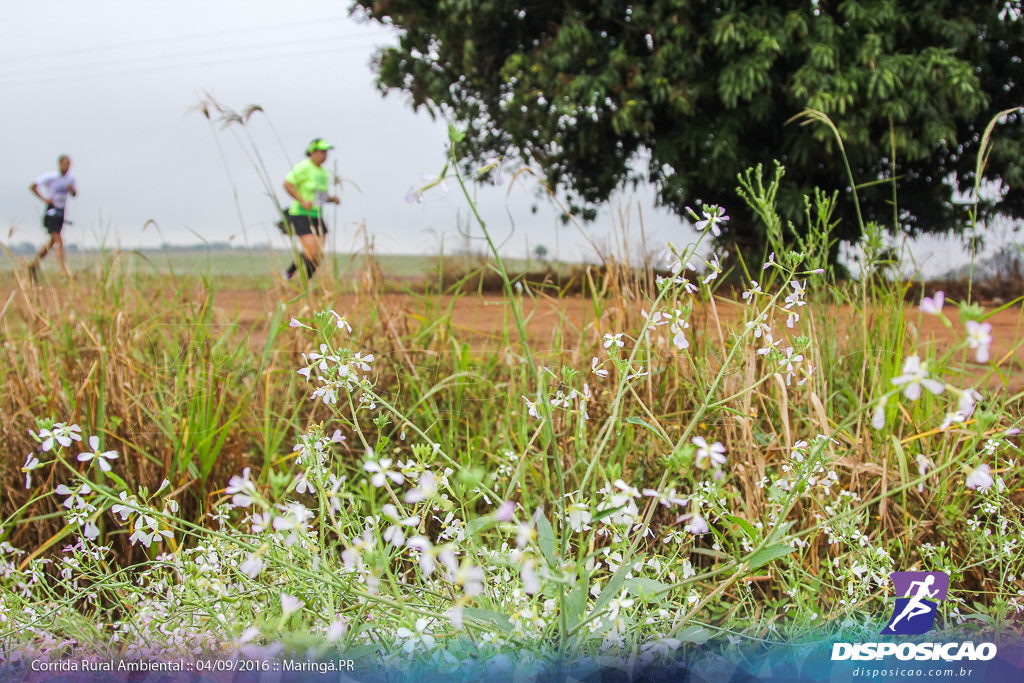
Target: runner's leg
x,y
58,242
312,247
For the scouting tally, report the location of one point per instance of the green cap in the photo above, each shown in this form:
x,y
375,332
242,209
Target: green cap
x,y
318,143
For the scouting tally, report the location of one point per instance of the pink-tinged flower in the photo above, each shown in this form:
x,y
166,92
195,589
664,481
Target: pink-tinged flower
x,y
770,262
426,486
980,478
923,465
915,374
241,488
505,511
979,336
933,305
968,402
252,566
290,605
337,437
715,453
697,526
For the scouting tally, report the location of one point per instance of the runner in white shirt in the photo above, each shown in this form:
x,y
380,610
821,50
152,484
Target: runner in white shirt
x,y
54,188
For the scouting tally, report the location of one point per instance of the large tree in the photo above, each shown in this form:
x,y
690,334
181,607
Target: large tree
x,y
706,88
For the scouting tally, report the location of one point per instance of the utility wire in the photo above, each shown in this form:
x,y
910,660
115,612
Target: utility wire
x,y
283,55
120,61
172,39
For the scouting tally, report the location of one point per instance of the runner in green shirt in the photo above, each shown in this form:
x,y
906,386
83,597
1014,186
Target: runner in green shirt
x,y
307,183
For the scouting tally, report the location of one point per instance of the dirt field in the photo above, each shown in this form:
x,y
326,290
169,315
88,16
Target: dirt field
x,y
479,320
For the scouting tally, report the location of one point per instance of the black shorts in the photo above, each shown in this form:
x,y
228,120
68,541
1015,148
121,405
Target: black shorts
x,y
307,225
53,220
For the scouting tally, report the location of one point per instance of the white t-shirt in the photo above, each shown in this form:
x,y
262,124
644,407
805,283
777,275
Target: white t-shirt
x,y
56,186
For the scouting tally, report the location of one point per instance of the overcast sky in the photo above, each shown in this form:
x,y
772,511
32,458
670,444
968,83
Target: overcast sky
x,y
113,84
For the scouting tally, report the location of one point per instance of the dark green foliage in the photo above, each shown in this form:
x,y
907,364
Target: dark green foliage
x,y
706,88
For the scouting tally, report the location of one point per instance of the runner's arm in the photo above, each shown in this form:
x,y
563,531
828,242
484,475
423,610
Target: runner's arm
x,y
290,189
35,190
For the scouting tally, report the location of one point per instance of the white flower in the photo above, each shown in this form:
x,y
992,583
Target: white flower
x,y
615,339
75,497
101,458
341,321
915,374
979,336
878,417
381,472
531,408
31,463
789,361
713,215
980,478
90,530
125,508
667,499
594,368
934,304
531,582
748,295
714,269
414,639
394,533
61,434
715,452
579,517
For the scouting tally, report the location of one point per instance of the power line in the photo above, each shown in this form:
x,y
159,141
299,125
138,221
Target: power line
x,y
173,55
284,55
207,34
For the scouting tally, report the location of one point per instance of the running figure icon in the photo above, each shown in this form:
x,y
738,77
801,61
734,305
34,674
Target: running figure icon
x,y
914,607
914,613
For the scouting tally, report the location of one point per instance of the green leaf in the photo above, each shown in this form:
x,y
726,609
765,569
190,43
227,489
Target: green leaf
x,y
546,537
637,421
576,602
598,516
645,589
614,585
766,555
694,634
747,527
489,616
